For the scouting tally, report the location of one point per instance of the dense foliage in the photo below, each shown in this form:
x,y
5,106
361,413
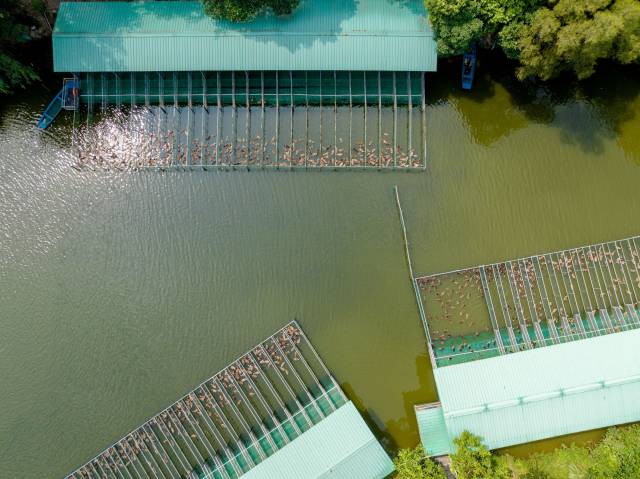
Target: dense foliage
x,y
472,459
547,37
414,464
13,33
458,23
243,10
575,34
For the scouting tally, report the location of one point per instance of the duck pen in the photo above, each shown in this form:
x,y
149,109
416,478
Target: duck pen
x,y
531,302
282,120
234,421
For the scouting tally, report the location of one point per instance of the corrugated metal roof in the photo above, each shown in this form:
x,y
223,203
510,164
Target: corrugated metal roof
x,y
541,393
433,429
179,36
339,447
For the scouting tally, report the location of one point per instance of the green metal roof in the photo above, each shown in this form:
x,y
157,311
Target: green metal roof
x,y
385,35
339,447
539,393
433,429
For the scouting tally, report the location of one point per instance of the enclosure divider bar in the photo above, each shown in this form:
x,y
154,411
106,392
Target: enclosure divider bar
x,y
335,118
322,389
166,458
118,97
102,77
582,289
205,388
571,295
189,115
137,465
615,285
524,330
218,119
205,99
159,448
254,413
113,465
492,312
286,385
364,83
292,143
125,464
544,297
146,460
161,136
202,412
238,414
120,463
505,308
176,124
247,79
604,290
630,286
308,394
262,114
275,394
90,83
306,118
276,422
198,430
379,120
588,304
173,418
604,316
277,124
423,82
350,120
531,302
557,294
395,122
182,432
410,151
100,470
170,440
234,121
132,80
204,130
173,442
320,159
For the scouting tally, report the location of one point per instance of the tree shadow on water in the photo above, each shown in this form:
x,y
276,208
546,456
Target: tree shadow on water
x,y
401,432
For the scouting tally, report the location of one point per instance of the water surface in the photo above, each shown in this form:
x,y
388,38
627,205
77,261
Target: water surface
x,y
121,291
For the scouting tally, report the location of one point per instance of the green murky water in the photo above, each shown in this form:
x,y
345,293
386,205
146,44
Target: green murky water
x,y
120,291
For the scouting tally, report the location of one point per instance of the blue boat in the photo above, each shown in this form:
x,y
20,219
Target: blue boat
x,y
469,68
66,99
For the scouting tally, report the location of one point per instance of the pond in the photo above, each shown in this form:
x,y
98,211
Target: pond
x,y
123,290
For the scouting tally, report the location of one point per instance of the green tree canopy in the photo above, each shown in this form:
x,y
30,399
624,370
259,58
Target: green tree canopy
x,y
458,23
617,456
414,464
573,35
244,10
13,32
472,459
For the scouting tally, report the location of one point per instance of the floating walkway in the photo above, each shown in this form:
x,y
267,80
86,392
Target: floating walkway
x,y
532,302
264,415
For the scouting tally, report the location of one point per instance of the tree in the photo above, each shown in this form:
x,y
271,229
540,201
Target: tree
x,y
472,459
458,23
414,464
244,10
574,35
13,33
617,456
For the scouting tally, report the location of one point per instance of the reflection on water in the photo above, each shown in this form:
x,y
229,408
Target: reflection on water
x,y
122,291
